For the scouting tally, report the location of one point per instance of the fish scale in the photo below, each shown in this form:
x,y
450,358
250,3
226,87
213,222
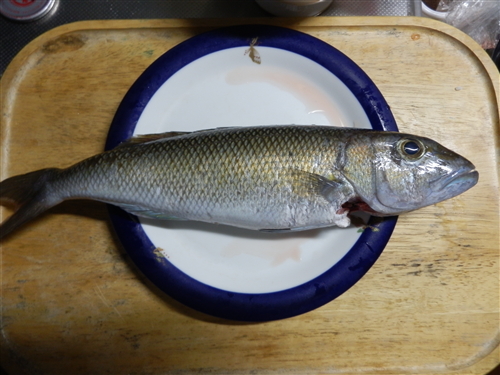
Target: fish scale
x,y
233,166
265,178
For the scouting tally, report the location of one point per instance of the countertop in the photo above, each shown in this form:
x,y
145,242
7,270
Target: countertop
x,y
72,301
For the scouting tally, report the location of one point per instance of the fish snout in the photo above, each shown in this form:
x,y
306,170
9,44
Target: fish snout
x,y
461,180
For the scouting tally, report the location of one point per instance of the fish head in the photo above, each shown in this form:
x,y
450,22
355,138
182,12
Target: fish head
x,y
411,172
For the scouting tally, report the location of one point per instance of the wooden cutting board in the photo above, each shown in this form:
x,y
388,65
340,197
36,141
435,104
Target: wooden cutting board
x,y
73,303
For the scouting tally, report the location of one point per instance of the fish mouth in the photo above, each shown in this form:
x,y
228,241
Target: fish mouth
x,y
459,181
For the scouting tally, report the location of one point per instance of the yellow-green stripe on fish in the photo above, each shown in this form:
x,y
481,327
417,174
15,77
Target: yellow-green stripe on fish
x,y
261,178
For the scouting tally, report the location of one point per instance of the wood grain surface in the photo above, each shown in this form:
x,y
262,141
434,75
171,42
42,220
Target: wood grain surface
x,y
73,303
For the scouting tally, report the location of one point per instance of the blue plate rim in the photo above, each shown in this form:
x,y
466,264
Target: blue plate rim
x,y
244,306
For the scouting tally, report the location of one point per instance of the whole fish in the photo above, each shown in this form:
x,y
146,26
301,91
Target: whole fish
x,y
262,178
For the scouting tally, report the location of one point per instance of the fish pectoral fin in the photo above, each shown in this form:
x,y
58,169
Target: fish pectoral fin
x,y
333,189
150,214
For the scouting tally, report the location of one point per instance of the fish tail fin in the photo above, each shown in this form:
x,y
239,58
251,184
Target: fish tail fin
x,y
28,194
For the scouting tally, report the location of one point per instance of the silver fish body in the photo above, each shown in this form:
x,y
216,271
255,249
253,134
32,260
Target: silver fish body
x,y
262,178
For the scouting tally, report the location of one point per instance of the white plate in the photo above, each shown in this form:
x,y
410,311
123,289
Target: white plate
x,y
245,81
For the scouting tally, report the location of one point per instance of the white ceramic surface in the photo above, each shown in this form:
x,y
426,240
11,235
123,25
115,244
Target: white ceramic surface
x,y
227,88
431,13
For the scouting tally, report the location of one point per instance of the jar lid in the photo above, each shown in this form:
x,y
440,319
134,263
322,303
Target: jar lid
x,y
25,10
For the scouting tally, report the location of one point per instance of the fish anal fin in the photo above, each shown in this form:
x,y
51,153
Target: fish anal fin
x,y
148,213
282,230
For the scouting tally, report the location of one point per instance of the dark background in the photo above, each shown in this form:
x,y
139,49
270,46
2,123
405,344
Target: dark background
x,y
15,35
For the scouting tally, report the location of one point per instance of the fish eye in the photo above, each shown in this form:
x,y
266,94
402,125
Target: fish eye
x,y
411,149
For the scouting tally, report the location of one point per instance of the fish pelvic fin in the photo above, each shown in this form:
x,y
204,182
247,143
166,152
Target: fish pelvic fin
x,y
28,194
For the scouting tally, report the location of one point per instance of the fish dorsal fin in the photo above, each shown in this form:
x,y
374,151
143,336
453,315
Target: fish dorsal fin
x,y
334,189
145,138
